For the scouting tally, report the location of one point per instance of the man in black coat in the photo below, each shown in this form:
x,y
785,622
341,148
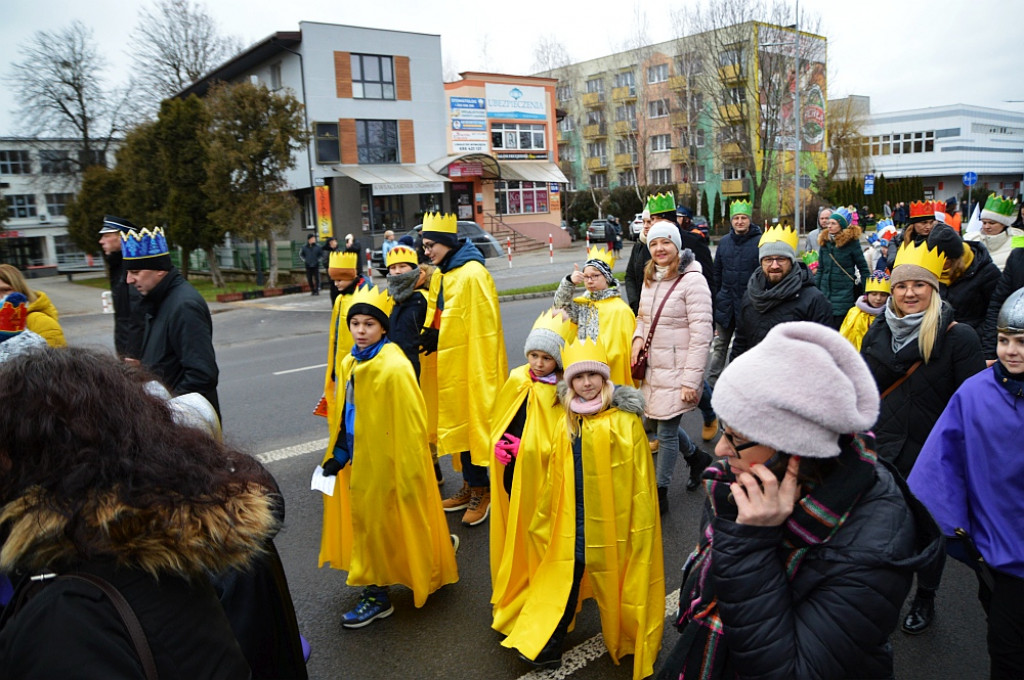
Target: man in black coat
x,y
782,289
735,260
312,256
177,345
128,321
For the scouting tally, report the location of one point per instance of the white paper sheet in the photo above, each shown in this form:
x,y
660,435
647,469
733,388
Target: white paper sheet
x,y
323,483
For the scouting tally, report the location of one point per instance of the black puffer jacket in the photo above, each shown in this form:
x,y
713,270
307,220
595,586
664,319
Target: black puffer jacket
x,y
833,619
804,303
129,324
1011,280
909,412
735,260
971,293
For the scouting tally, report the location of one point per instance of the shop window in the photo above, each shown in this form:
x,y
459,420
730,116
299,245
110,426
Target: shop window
x,y
517,136
15,162
521,198
327,148
21,205
373,77
56,203
377,141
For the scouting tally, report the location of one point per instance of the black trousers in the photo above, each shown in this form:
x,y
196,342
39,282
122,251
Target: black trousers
x,y
1004,606
313,279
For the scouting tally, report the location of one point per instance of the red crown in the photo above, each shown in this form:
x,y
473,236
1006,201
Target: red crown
x,y
12,319
926,208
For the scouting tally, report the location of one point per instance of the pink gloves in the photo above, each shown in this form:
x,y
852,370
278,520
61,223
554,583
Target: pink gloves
x,y
507,448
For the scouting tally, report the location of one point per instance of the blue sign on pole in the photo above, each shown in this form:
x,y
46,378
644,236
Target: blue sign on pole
x,y
869,185
970,179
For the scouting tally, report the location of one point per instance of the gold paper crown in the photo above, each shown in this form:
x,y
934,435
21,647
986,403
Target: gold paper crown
x,y
602,254
445,223
584,350
777,233
557,322
878,283
921,255
375,297
400,254
342,260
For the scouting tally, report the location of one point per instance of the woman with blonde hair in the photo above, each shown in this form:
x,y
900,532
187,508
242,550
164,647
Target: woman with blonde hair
x,y
42,315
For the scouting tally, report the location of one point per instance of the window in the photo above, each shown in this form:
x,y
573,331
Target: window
x,y
565,125
521,198
732,133
657,74
517,136
55,203
730,57
372,77
696,174
624,79
735,95
627,145
627,178
662,176
698,138
21,205
696,103
377,141
564,152
327,148
597,150
658,108
15,163
733,172
55,162
595,117
563,92
595,85
661,142
599,181
275,76
93,157
626,112
691,65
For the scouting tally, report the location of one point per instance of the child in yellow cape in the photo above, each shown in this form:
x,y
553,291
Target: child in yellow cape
x,y
869,306
598,513
384,523
527,416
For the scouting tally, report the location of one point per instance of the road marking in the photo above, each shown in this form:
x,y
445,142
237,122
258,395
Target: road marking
x,y
590,650
291,451
297,370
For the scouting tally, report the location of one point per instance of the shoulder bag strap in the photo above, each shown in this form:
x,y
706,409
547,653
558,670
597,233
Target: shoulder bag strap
x,y
842,267
131,622
657,315
899,382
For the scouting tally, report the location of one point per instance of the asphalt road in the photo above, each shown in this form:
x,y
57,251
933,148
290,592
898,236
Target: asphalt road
x,y
271,356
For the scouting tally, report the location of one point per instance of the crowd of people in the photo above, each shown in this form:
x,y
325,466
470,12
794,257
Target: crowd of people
x,y
819,517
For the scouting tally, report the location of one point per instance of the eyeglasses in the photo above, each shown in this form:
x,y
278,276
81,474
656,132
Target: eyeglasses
x,y
774,260
732,442
427,245
593,277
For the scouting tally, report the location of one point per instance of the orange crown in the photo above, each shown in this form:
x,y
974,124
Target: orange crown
x,y
926,209
13,315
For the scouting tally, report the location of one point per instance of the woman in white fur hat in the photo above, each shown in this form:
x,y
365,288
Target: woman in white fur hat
x,y
810,543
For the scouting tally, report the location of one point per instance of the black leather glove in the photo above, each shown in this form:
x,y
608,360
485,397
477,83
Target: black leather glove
x,y
331,467
428,340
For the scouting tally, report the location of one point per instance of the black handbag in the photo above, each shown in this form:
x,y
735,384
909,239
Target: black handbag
x,y
639,370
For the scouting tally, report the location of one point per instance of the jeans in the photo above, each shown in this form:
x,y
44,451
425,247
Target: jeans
x,y
705,405
719,352
671,438
474,475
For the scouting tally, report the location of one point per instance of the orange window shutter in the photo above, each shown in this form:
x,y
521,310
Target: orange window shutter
x,y
347,139
343,74
407,141
403,85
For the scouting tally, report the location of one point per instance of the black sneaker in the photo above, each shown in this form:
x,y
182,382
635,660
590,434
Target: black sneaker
x,y
920,616
662,500
698,462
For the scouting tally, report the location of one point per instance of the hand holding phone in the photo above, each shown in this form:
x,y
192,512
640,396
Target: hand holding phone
x,y
764,497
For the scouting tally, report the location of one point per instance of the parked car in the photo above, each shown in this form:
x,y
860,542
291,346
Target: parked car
x,y
488,245
636,226
595,231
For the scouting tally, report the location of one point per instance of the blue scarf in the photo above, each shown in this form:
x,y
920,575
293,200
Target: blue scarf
x,y
349,411
371,351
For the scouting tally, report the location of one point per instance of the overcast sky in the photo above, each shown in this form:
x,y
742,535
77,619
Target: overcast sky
x,y
902,53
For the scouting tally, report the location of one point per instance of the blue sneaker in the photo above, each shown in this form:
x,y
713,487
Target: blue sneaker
x,y
373,604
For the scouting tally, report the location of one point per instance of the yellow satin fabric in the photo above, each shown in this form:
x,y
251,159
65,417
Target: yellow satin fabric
x,y
855,325
339,346
615,325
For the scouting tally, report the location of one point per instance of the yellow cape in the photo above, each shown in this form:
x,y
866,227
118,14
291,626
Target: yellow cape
x,y
471,361
515,554
856,325
615,325
339,345
384,524
624,560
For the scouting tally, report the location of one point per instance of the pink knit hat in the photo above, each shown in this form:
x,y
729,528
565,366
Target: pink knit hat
x,y
772,394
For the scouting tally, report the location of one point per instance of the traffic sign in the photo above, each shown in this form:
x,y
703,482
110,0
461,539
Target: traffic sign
x,y
970,179
869,185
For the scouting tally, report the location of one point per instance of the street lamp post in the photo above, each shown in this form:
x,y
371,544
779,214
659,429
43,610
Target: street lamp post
x,y
796,125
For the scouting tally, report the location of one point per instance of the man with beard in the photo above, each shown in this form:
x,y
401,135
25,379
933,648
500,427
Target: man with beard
x,y
781,289
128,322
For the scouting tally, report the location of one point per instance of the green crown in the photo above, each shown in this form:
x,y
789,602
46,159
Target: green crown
x,y
1000,205
661,203
741,208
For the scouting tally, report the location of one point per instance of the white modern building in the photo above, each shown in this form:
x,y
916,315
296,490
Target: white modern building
x,y
940,144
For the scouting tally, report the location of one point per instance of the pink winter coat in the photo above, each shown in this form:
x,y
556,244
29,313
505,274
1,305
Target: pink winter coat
x,y
679,350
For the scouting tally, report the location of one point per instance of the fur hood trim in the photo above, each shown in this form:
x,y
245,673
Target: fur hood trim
x,y
850,234
188,540
624,398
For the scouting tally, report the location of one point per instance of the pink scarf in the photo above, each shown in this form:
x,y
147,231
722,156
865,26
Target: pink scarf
x,y
586,408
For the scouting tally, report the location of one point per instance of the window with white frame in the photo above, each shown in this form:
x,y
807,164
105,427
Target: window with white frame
x,y
696,103
327,148
595,117
730,57
513,136
657,73
692,64
735,95
626,112
564,152
55,162
733,172
627,145
661,142
694,173
21,205
624,79
597,150
373,77
275,76
595,85
657,108
599,181
521,198
563,92
565,125
661,176
698,138
15,162
627,178
56,203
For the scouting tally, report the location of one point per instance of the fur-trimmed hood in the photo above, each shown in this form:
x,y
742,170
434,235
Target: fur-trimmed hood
x,y
624,398
849,235
189,540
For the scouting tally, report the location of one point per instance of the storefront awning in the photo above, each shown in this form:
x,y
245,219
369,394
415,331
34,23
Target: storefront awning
x,y
389,180
532,172
488,164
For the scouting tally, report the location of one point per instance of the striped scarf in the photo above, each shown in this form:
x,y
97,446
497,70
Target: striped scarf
x,y
816,518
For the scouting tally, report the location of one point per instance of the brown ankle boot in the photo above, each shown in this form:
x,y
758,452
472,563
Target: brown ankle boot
x,y
479,506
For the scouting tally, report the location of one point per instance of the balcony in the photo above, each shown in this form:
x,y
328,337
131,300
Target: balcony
x,y
731,113
731,149
677,83
731,73
683,189
735,187
625,127
595,131
625,160
564,136
597,164
678,118
681,155
593,99
626,93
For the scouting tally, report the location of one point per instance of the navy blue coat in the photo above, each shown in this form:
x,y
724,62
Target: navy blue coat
x,y
735,260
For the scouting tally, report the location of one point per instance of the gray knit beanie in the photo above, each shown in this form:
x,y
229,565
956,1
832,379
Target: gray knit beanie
x,y
776,248
771,394
547,341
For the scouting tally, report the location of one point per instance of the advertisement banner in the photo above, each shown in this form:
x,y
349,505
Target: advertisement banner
x,y
777,86
470,147
519,102
324,227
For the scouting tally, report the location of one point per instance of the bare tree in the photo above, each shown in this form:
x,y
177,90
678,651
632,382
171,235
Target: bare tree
x,y
60,93
847,155
175,43
549,54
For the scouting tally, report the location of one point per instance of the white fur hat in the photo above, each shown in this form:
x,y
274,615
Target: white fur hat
x,y
772,394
